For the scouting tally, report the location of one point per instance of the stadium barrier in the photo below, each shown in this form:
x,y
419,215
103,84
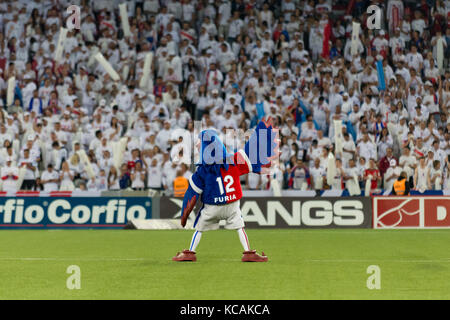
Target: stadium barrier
x,y
146,210
421,212
31,210
292,212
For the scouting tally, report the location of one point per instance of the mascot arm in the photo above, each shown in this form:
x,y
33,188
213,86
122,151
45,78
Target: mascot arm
x,y
191,196
189,201
260,149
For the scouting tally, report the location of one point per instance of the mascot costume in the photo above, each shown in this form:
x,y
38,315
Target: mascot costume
x,y
216,183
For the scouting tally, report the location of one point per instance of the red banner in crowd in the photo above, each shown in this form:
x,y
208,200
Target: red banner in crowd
x,y
395,18
411,212
350,7
326,41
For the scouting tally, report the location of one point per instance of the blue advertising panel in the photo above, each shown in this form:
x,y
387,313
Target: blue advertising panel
x,y
72,212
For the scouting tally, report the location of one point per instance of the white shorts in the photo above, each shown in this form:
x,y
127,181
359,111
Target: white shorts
x,y
210,215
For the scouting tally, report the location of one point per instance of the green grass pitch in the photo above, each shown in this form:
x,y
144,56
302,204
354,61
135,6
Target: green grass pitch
x,y
303,264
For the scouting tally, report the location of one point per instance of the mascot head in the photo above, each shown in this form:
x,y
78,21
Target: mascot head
x,y
212,151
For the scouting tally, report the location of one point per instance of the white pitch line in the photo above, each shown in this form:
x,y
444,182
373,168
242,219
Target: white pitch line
x,y
443,260
373,232
375,260
72,259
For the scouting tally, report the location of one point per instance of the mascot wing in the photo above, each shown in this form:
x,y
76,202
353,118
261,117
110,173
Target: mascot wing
x,y
262,147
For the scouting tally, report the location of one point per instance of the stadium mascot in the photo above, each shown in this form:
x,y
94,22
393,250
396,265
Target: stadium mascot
x,y
217,184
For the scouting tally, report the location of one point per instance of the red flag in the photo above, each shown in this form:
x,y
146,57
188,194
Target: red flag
x,y
187,35
108,25
395,18
326,41
350,7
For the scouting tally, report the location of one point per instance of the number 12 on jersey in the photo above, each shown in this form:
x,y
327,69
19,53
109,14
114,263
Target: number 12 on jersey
x,y
228,184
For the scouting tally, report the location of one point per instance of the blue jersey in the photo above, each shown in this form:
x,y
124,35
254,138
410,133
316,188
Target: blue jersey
x,y
218,187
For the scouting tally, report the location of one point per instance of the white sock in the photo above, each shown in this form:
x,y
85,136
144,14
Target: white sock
x,y
243,238
195,240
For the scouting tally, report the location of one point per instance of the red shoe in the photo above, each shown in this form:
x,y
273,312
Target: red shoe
x,y
186,255
252,256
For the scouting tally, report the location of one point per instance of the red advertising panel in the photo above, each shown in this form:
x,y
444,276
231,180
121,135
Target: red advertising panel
x,y
411,212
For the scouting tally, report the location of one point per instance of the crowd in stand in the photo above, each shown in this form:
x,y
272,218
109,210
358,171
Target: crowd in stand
x,y
227,64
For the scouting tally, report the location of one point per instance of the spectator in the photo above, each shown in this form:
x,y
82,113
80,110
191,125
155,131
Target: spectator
x,y
50,179
30,174
66,177
180,185
436,176
299,176
422,176
225,64
101,182
113,179
401,185
137,176
373,174
10,175
318,175
124,180
154,175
